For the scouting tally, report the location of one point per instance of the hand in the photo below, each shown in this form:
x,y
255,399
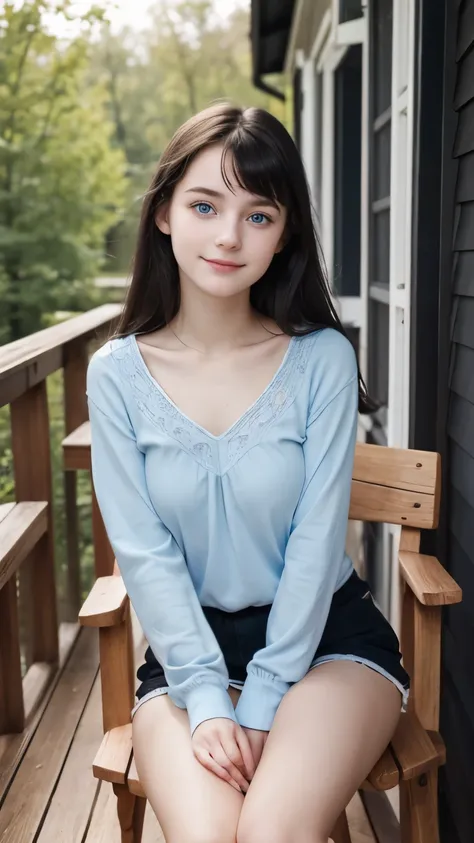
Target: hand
x,y
222,746
257,740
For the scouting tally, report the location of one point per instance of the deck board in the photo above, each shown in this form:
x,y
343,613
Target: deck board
x,y
71,805
28,798
36,697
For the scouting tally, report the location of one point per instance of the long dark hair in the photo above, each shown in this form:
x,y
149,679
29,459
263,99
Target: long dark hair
x,y
294,290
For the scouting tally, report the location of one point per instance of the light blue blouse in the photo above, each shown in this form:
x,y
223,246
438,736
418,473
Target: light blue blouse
x,y
253,517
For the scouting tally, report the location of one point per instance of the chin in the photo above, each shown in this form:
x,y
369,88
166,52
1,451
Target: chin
x,y
222,290
221,286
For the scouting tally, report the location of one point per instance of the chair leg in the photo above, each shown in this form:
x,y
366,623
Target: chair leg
x,y
131,814
138,818
419,809
341,833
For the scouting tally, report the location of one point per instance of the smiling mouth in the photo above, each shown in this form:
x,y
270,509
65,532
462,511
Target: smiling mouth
x,y
228,264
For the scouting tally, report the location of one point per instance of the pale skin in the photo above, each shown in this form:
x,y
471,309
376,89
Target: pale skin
x,y
214,360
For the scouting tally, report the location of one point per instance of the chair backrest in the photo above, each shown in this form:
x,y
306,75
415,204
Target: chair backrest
x,y
396,486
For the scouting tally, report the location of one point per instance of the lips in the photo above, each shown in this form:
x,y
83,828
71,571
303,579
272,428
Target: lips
x,y
229,264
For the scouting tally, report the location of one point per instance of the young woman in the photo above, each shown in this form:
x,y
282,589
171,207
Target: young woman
x,y
224,415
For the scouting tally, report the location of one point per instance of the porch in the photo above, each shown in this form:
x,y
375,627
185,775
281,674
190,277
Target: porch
x,y
50,692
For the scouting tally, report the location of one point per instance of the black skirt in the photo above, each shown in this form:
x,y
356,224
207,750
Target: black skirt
x,y
355,630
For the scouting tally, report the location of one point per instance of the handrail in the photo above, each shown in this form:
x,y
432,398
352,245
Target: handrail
x,y
31,628
26,362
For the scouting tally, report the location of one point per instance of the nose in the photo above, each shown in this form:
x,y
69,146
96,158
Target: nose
x,y
228,236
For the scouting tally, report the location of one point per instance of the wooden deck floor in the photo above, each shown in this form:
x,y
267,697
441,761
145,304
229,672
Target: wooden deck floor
x,y
47,791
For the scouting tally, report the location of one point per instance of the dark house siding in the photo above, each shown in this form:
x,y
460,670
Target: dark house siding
x,y
457,710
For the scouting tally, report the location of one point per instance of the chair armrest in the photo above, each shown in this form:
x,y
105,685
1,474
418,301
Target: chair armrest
x,y
106,604
430,582
413,748
113,757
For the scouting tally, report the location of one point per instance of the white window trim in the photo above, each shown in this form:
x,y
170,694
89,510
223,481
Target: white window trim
x,y
329,49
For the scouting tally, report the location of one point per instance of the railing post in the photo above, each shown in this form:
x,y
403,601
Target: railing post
x,y
75,414
33,482
12,712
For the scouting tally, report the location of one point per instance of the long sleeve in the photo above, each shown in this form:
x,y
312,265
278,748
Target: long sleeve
x,y
315,550
151,563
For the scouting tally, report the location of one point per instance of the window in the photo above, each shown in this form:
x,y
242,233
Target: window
x,y
347,173
349,10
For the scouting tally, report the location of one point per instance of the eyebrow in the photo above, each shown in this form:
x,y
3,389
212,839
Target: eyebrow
x,y
207,191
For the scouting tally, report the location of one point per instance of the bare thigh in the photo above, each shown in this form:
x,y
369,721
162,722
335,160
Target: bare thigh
x,y
328,732
191,803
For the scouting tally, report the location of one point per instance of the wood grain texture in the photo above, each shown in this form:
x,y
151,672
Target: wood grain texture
x,y
106,604
27,800
103,553
104,826
384,774
19,532
36,695
429,581
413,748
77,448
68,812
12,712
75,362
118,690
419,809
30,360
397,468
371,502
33,482
113,758
427,665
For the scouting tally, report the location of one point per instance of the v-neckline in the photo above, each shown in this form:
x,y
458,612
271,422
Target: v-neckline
x,y
144,367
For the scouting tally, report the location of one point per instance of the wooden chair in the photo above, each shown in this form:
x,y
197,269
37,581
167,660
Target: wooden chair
x,y
389,485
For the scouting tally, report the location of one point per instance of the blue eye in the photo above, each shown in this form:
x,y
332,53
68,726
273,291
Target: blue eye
x,y
203,208
259,218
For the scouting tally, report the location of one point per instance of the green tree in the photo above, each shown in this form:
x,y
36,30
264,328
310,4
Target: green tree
x,y
61,182
188,58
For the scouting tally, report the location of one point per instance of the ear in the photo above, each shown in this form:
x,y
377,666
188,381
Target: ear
x,y
161,218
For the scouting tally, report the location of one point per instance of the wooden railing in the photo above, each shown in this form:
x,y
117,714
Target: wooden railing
x,y
27,563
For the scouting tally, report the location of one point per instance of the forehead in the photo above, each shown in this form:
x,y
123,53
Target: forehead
x,y
206,169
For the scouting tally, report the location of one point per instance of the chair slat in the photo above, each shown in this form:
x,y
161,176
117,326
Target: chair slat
x,y
392,506
397,468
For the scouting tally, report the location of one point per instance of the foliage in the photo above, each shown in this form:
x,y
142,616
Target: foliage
x,y
187,59
61,182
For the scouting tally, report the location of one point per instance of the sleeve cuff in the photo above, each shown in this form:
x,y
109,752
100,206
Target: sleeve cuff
x,y
205,702
259,701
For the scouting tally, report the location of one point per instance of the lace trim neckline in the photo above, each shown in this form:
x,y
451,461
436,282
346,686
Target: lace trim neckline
x,y
177,411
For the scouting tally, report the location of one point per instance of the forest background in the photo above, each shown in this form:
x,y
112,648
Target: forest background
x,y
83,121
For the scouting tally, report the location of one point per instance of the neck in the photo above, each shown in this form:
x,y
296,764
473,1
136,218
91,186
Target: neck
x,y
214,324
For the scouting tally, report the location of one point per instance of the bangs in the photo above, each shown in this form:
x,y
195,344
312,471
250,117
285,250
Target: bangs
x,y
256,164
